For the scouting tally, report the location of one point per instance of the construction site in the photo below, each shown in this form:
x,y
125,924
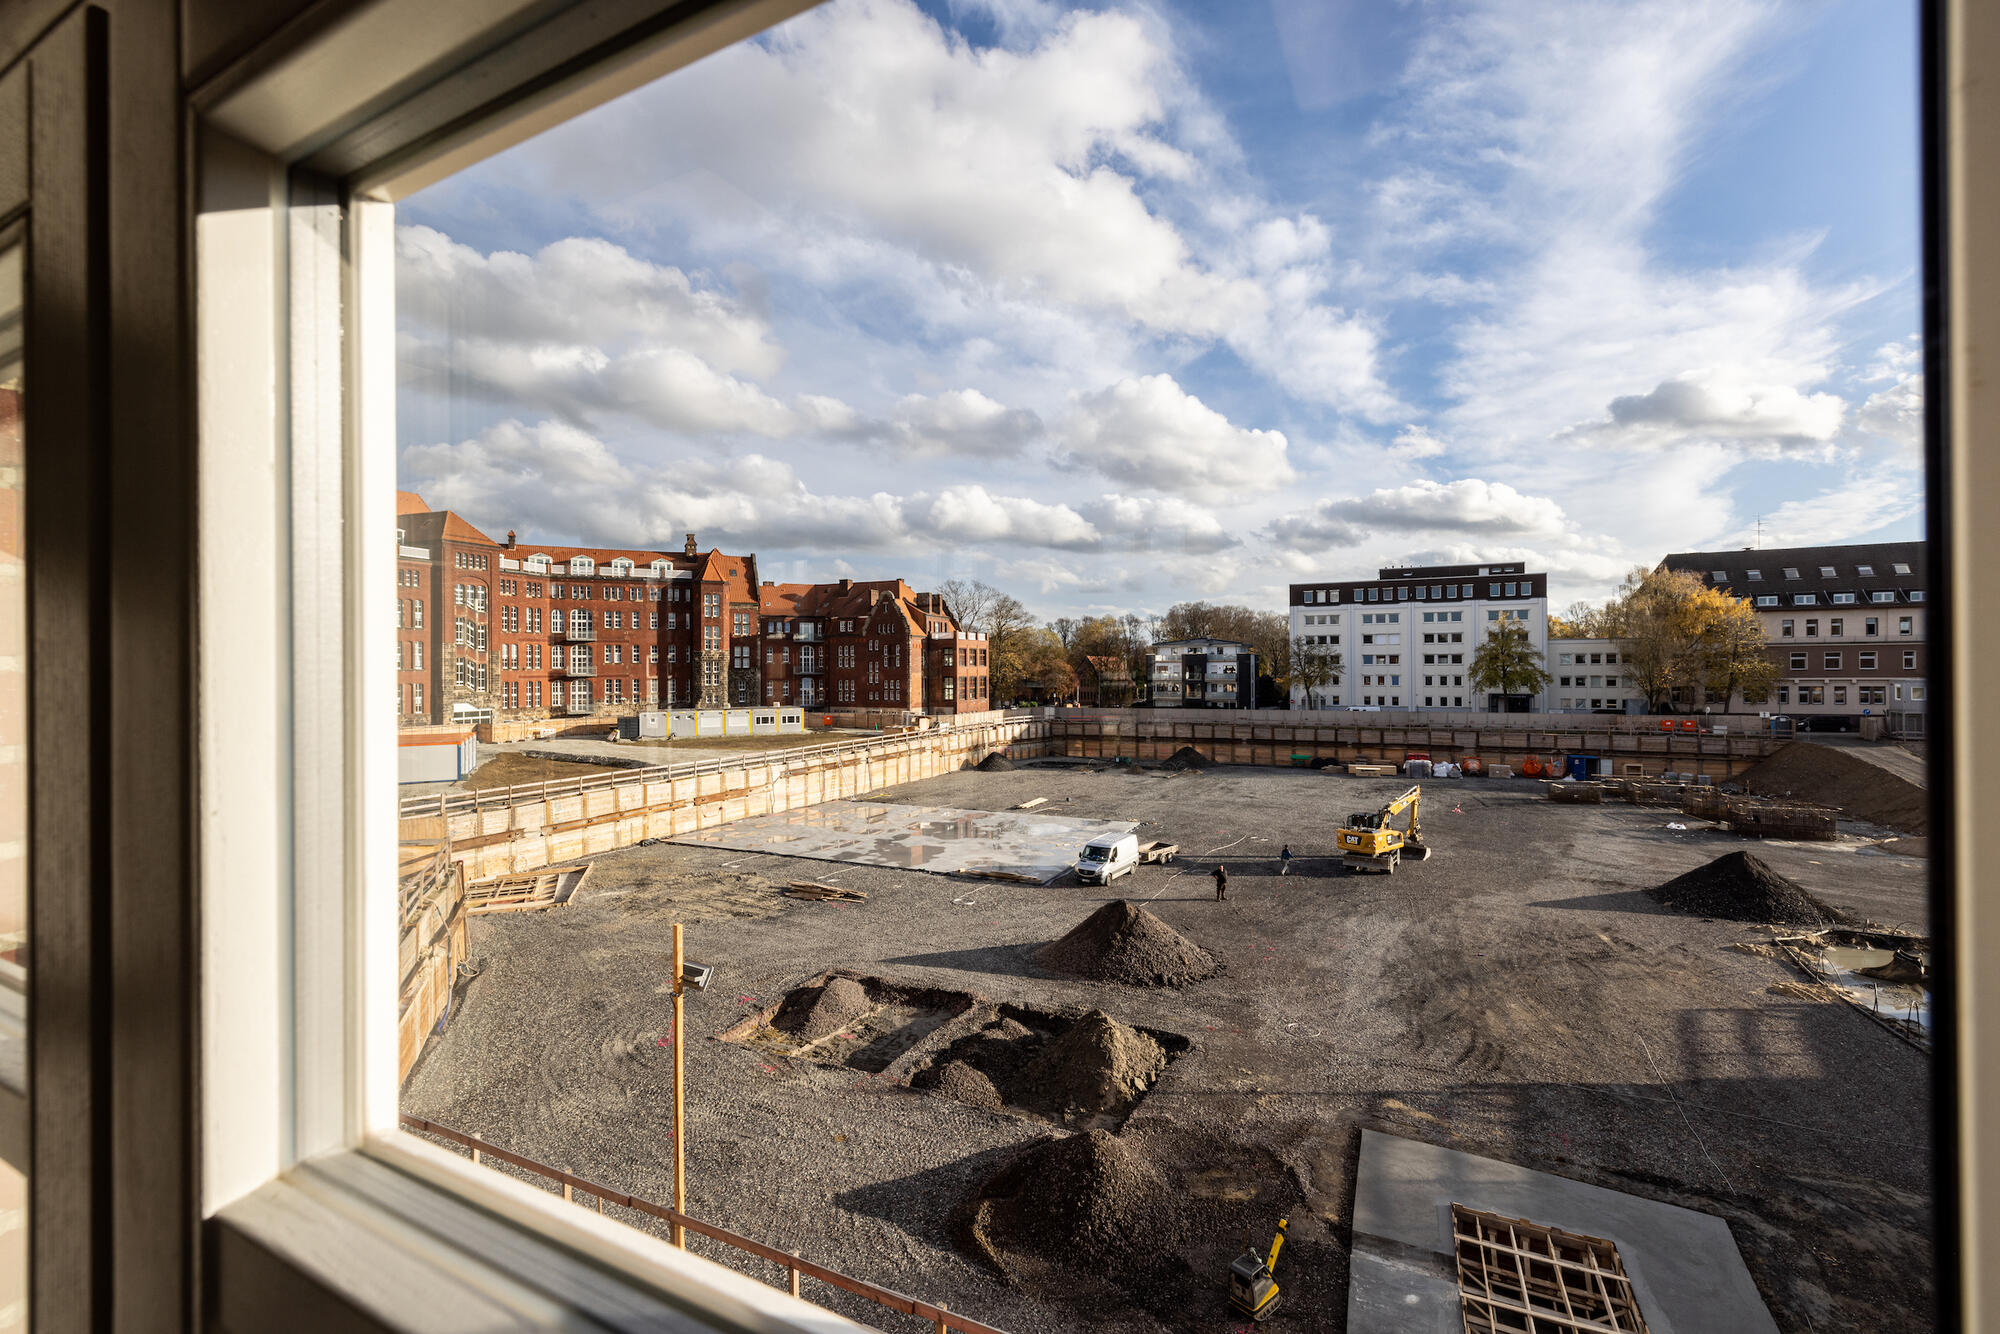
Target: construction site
x,y
1633,1052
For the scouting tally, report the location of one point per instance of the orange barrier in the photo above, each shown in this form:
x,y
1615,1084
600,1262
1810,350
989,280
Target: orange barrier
x,y
1531,766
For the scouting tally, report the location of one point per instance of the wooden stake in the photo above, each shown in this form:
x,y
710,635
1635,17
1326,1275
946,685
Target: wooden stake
x,y
680,1106
795,1277
942,1327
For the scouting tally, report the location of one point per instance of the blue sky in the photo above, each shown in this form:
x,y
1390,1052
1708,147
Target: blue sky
x,y
1116,305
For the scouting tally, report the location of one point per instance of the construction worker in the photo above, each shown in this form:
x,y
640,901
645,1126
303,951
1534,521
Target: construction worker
x,y
1221,882
1285,860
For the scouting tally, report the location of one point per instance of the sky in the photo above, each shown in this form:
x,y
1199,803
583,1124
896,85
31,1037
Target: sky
x,y
1116,305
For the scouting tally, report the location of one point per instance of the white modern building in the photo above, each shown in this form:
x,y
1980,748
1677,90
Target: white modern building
x,y
1406,637
1202,674
1588,676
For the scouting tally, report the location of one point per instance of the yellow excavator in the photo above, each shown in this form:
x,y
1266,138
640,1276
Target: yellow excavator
x,y
1371,841
1252,1290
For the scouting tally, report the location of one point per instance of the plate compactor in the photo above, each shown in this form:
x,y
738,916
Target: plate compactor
x,y
1252,1290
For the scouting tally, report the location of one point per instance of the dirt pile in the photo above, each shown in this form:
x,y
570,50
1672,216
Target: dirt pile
x,y
1098,1067
1092,1201
1090,1071
1187,757
1146,1220
994,763
822,1011
1122,942
967,1083
1742,888
1831,776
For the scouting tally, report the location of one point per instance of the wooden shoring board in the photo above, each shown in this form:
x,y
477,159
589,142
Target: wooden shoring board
x,y
528,892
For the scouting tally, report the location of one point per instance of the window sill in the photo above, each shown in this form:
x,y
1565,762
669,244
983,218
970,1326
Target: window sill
x,y
376,1241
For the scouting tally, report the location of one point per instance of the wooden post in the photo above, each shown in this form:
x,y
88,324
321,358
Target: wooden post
x,y
680,1106
942,1326
795,1275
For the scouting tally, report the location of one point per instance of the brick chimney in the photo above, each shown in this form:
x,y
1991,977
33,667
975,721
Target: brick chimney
x,y
847,585
691,550
510,539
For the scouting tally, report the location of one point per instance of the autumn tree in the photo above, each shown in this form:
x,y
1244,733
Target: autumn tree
x,y
1313,667
1268,632
1581,620
1507,662
1679,635
999,616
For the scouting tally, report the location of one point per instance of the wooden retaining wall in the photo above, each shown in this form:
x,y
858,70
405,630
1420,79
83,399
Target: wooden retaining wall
x,y
515,831
1141,734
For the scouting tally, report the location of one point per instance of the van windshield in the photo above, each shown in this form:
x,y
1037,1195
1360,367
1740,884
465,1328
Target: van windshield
x,y
1095,854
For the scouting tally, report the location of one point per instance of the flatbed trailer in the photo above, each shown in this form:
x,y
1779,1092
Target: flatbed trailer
x,y
1158,852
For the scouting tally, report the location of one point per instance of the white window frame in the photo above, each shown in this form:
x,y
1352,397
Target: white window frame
x,y
303,1166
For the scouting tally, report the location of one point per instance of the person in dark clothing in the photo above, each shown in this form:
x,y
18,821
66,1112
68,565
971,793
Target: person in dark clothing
x,y
1221,882
1285,860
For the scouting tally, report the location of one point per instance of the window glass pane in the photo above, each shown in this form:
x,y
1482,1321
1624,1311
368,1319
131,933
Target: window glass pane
x,y
909,333
14,960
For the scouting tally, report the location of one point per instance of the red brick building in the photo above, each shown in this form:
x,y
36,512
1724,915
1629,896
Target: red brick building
x,y
498,629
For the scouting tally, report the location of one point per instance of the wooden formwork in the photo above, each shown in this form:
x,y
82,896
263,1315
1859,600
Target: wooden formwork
x,y
1747,815
1580,794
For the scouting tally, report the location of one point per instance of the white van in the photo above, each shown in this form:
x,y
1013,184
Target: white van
x,y
1105,859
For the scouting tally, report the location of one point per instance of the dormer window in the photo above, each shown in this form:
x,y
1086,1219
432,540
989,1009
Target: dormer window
x,y
1719,576
621,568
581,565
1865,571
539,563
1900,568
1791,572
1826,572
1754,575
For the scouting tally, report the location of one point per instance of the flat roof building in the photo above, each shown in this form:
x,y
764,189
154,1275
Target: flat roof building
x,y
1407,636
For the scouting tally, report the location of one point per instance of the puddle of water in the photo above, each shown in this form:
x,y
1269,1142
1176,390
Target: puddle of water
x,y
1842,966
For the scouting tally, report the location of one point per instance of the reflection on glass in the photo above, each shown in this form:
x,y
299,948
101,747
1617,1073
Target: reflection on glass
x,y
13,695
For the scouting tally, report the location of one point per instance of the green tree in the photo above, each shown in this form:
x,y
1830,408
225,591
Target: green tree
x,y
1507,663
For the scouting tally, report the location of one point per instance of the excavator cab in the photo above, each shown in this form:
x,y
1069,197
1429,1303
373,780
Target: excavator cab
x,y
1252,1290
1372,841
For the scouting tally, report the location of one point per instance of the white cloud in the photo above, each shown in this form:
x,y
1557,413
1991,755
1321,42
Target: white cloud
x,y
1076,169
1895,414
960,421
1414,442
1151,433
1711,407
578,293
1165,523
972,514
1843,514
1469,506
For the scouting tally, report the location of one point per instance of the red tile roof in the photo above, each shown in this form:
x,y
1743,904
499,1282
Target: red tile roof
x,y
409,502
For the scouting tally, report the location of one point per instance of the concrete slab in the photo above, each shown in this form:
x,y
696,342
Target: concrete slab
x,y
939,839
1685,1269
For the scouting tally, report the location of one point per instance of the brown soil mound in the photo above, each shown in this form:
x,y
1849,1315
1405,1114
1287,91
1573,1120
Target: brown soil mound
x,y
1122,942
1098,1067
994,763
1830,776
823,1010
1092,1201
1148,1221
1187,757
968,1084
1741,888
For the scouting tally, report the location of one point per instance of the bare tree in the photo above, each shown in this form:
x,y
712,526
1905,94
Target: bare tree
x,y
1313,667
969,600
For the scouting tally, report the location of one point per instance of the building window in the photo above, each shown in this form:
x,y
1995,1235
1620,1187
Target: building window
x,y
1904,625
1871,626
1835,626
1812,629
1754,575
1791,572
1768,600
1798,662
1882,597
1867,662
1909,660
1833,662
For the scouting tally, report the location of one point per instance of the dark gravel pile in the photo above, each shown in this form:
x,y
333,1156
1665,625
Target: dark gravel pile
x,y
994,763
818,1012
1829,776
1122,942
1097,1067
1187,757
1741,888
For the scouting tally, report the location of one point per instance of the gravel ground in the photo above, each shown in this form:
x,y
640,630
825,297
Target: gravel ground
x,y
1518,995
